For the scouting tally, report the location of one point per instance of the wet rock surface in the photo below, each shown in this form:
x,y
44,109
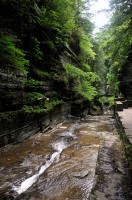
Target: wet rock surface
x,y
78,160
113,177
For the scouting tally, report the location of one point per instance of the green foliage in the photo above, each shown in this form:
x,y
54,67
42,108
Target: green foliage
x,y
8,117
49,105
5,117
86,90
33,83
12,56
116,41
28,109
74,72
110,101
51,45
48,29
37,53
99,65
128,148
85,67
42,73
84,82
86,46
84,22
35,96
58,18
43,107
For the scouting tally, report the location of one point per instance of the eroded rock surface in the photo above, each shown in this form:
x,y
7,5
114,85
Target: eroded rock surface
x,y
70,162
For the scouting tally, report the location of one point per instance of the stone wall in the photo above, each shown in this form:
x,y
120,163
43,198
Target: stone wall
x,y
125,139
21,127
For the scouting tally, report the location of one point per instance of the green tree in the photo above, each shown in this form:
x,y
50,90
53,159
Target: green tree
x,y
117,41
48,30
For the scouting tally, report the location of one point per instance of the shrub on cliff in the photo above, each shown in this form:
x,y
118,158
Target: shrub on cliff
x,y
11,55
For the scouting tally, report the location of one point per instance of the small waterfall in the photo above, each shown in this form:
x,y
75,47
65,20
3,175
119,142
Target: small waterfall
x,y
59,146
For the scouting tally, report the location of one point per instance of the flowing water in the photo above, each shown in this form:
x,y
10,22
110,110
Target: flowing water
x,y
77,160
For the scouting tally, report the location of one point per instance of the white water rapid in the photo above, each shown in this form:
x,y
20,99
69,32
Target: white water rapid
x,y
31,180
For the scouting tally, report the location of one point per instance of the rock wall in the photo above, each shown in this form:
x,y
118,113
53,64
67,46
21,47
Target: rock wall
x,y
17,125
79,108
21,127
11,88
126,79
126,140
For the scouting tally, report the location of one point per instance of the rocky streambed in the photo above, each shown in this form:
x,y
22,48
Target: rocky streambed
x,y
77,160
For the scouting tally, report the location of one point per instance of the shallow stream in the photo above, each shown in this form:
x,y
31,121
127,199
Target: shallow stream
x,y
77,160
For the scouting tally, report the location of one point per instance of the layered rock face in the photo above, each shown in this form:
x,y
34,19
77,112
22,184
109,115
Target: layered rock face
x,y
11,89
21,126
16,124
126,79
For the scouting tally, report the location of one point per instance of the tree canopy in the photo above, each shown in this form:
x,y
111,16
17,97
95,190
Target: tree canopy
x,y
116,40
53,41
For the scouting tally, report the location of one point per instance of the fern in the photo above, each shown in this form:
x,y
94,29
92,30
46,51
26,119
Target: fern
x,y
35,96
84,82
86,90
12,56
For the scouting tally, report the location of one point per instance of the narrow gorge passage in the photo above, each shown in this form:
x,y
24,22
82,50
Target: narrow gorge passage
x,y
78,160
